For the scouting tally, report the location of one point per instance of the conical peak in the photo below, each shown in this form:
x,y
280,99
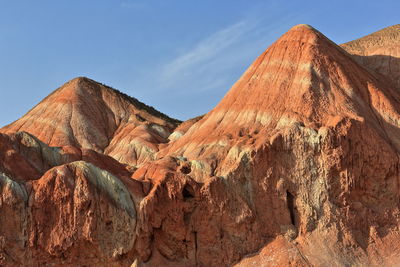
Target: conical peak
x,y
303,77
79,83
83,89
70,89
303,27
303,33
79,79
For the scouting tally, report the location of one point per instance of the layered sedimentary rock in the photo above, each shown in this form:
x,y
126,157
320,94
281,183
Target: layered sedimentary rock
x,y
302,143
298,165
83,113
379,51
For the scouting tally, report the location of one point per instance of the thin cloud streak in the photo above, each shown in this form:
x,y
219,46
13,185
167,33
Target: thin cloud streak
x,y
216,58
205,51
205,71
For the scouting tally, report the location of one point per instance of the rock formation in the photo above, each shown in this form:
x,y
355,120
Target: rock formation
x,y
84,113
379,52
298,165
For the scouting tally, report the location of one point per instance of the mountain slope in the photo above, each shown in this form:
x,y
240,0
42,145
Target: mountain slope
x,y
304,142
84,113
379,51
302,78
298,165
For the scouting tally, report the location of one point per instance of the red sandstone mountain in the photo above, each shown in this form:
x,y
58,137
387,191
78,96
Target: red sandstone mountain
x,y
86,114
298,165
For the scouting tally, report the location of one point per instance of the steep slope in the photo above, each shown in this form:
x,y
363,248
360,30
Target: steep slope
x,y
75,214
57,202
183,128
84,113
304,142
303,78
379,51
298,165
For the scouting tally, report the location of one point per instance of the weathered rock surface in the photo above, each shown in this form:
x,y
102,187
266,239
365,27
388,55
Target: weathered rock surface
x,y
298,165
57,207
296,148
84,113
379,51
80,214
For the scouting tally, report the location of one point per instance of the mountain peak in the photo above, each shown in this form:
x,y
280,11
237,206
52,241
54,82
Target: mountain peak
x,y
304,28
304,33
87,114
302,78
302,153
78,82
79,79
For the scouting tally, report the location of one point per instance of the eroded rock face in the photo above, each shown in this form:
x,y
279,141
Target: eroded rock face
x,y
14,222
79,209
302,143
85,114
75,214
298,165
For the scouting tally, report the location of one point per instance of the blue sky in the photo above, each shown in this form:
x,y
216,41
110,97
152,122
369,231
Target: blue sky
x,y
180,56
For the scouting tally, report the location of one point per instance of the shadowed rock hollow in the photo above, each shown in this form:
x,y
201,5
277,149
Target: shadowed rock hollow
x,y
298,165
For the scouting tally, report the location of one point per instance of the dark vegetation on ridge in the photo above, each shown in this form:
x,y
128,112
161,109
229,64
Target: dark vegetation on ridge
x,y
140,105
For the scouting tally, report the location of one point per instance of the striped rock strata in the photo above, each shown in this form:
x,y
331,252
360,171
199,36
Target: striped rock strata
x,y
298,165
83,113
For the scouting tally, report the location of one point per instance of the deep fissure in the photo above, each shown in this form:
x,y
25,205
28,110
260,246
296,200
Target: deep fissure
x,y
291,206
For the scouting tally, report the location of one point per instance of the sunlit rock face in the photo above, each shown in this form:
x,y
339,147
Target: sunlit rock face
x,y
298,165
83,113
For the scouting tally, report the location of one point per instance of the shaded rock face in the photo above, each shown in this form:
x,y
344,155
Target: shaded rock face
x,y
298,165
379,52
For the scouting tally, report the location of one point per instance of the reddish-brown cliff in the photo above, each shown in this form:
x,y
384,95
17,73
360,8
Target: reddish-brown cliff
x,y
301,144
298,165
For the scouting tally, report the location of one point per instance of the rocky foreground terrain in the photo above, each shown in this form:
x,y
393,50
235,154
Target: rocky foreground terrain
x,y
298,165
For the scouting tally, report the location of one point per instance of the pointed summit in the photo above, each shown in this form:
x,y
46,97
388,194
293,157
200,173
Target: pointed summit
x,y
302,78
84,113
303,33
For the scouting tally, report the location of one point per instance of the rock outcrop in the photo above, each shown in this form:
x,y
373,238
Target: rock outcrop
x,y
298,165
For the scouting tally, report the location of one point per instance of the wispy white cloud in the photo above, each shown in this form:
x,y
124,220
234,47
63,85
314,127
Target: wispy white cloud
x,y
199,74
212,62
204,52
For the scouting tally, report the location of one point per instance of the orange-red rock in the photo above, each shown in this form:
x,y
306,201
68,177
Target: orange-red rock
x,y
84,113
298,165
